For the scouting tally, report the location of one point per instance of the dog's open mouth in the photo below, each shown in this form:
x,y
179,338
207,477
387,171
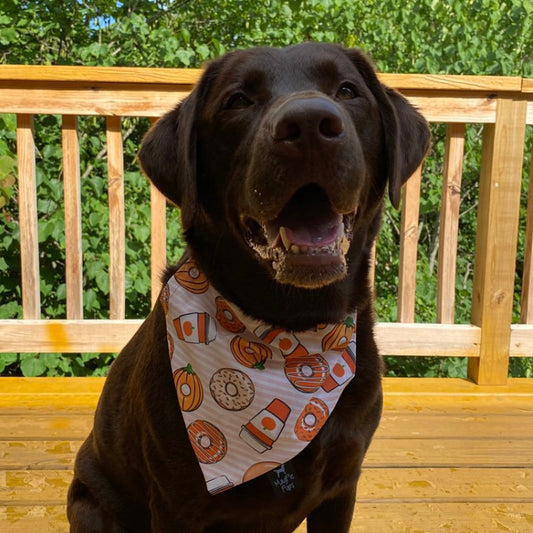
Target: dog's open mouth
x,y
307,242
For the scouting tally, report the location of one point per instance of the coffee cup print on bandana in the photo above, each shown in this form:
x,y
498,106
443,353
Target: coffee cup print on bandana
x,y
341,369
218,484
196,328
287,343
262,431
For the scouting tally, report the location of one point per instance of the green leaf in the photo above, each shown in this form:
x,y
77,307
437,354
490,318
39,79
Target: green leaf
x,y
203,51
10,310
32,365
7,165
185,33
7,359
102,281
8,36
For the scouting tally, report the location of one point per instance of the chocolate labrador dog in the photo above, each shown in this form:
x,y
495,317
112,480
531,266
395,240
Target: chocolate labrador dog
x,y
279,160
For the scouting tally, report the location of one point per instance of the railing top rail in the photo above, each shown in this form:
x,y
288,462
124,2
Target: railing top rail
x,y
189,76
79,74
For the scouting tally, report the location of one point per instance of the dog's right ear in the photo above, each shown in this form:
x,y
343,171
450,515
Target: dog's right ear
x,y
168,156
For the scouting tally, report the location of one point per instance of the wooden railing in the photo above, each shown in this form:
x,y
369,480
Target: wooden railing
x,y
502,105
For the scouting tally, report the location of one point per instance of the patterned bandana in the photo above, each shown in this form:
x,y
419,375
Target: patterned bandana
x,y
252,396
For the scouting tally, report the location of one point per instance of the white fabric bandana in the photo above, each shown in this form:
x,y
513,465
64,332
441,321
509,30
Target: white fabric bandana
x,y
252,396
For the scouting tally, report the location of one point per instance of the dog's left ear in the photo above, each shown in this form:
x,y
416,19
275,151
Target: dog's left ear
x,y
407,138
406,132
168,151
168,156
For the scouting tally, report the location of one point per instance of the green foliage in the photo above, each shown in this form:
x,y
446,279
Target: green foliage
x,y
428,36
426,367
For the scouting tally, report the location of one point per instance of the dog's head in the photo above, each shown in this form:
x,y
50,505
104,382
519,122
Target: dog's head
x,y
285,155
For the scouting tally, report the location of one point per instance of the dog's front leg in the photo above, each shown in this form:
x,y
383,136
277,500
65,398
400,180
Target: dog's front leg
x,y
333,515
168,516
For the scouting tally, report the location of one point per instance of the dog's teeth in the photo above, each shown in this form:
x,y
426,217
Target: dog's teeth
x,y
285,238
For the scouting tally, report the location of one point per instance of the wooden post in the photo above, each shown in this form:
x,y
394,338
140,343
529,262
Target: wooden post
x,y
72,195
408,247
449,222
497,229
29,235
117,246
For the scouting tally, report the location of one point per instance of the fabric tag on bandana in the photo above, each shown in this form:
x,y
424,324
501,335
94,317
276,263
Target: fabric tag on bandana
x,y
252,396
283,479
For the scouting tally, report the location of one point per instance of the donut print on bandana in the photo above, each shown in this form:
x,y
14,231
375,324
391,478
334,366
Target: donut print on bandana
x,y
231,389
252,396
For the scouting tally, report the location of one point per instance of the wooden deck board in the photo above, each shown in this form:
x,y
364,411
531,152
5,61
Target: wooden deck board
x,y
391,517
445,485
396,424
448,455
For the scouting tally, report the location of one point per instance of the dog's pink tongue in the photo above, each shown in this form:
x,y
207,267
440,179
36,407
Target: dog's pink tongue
x,y
307,220
313,235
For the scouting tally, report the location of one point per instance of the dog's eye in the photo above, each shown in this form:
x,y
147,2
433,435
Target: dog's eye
x,y
346,92
238,101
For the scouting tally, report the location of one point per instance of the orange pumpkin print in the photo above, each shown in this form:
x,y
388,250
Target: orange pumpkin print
x,y
189,388
226,317
338,338
250,354
191,277
306,373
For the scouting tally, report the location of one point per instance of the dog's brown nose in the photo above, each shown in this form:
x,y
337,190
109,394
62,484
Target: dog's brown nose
x,y
306,123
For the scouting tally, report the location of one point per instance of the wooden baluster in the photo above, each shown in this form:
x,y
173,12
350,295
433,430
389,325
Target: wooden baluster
x,y
72,196
497,230
449,222
526,314
408,247
117,247
158,257
372,269
158,221
29,237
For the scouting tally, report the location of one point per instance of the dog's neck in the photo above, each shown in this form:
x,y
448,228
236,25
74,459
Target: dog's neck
x,y
263,298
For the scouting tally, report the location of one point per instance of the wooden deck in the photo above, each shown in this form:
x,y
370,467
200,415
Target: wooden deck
x,y
449,455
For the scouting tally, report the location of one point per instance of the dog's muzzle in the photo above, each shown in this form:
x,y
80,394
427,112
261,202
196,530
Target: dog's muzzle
x,y
301,217
307,243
